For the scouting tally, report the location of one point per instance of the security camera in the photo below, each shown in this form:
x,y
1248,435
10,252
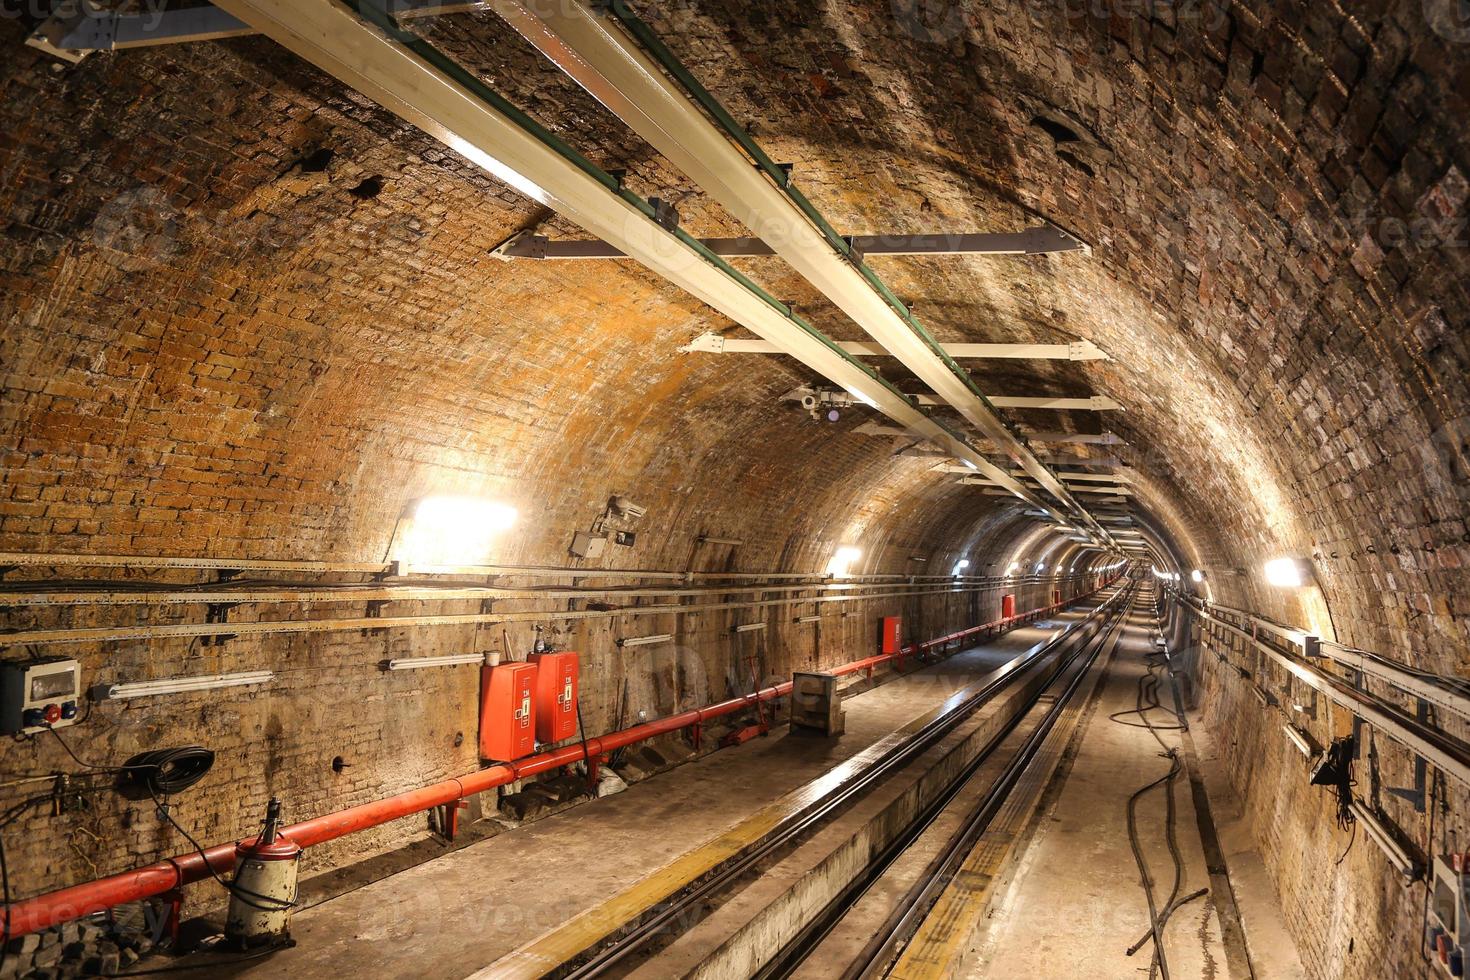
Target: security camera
x,y
624,507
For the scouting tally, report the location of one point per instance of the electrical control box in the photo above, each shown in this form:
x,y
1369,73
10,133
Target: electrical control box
x,y
1008,606
1056,597
39,694
507,711
890,638
1447,929
556,695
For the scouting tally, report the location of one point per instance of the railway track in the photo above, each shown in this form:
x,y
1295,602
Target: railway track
x,y
892,800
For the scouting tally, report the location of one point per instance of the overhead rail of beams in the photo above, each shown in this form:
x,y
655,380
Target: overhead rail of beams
x,y
94,634
371,52
620,61
411,77
1033,241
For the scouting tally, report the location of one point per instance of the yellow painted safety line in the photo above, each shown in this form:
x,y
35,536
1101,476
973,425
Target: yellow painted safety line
x,y
938,947
546,953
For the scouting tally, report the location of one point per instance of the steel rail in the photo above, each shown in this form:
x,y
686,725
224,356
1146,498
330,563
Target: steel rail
x,y
655,921
904,921
911,907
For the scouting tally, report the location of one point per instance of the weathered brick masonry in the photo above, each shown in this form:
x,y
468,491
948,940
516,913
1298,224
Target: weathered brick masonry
x,y
246,313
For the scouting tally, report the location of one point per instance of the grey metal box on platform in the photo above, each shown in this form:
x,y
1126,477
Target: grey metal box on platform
x,y
815,704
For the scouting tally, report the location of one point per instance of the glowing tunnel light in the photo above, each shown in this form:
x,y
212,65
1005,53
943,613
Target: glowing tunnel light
x,y
454,530
841,564
1286,573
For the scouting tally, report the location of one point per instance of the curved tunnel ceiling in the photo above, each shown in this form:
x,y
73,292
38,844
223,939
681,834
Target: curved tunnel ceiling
x,y
1291,385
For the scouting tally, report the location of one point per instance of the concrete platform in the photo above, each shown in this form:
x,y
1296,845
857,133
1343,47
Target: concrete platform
x,y
457,914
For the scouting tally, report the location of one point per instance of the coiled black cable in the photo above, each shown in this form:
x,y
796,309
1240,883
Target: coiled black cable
x,y
164,772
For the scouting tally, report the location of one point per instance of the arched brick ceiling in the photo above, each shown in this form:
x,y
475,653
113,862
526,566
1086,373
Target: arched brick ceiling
x,y
218,346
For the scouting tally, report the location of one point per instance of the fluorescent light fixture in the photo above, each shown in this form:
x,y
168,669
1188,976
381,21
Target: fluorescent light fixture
x,y
959,567
747,627
643,641
453,530
808,619
1385,840
1286,573
184,685
854,392
1299,739
449,660
1196,576
969,464
842,561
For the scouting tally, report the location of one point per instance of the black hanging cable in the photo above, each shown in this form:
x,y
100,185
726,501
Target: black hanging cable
x,y
265,903
162,772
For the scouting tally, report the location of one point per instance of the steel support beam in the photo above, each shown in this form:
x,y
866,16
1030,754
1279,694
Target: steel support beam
x,y
595,50
1090,403
980,481
1032,241
1082,477
1082,350
1098,439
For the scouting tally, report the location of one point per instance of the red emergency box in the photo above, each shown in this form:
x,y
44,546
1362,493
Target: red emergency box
x,y
1056,597
892,635
556,695
1008,606
507,711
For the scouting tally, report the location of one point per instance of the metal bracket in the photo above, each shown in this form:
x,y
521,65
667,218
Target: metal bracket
x,y
522,245
218,612
1416,794
664,214
374,610
785,168
705,343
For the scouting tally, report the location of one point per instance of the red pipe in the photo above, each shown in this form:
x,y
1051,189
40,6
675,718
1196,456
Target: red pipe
x,y
51,908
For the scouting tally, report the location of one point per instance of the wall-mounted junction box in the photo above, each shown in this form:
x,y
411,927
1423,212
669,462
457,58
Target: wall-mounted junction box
x,y
586,545
1448,927
39,694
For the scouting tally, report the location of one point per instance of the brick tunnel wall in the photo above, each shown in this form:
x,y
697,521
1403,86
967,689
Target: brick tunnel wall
x,y
247,313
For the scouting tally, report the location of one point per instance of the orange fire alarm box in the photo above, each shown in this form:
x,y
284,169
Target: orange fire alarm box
x,y
892,636
1008,606
507,711
556,695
